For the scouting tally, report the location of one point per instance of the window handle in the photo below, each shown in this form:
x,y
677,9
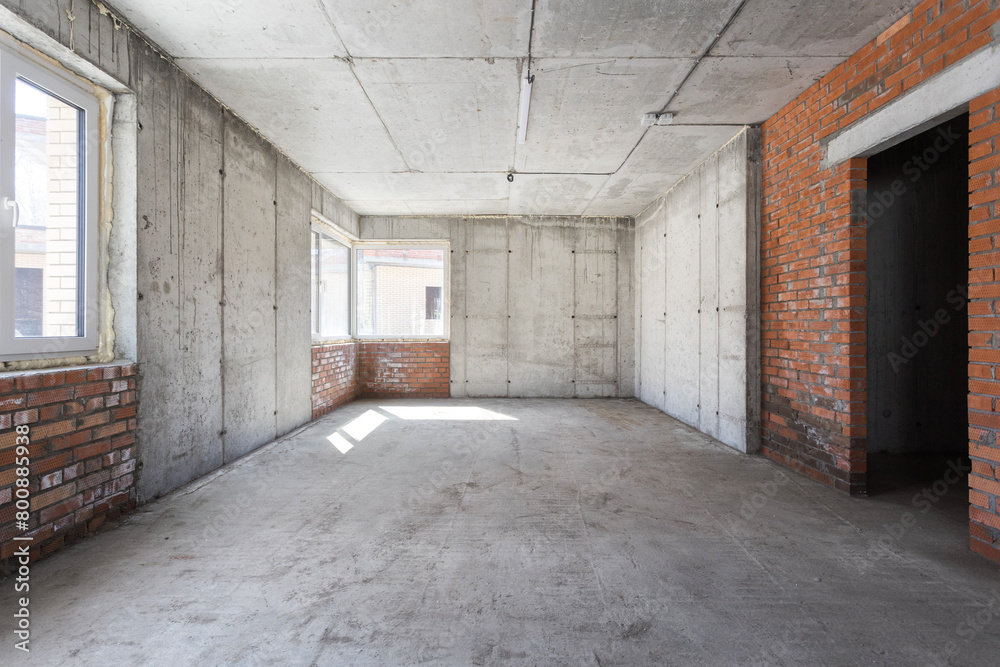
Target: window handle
x,y
9,204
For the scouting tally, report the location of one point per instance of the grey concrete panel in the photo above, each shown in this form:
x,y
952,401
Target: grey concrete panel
x,y
683,294
462,207
458,236
368,207
596,278
488,234
334,210
596,365
780,27
734,290
249,318
711,348
746,90
179,281
293,333
589,390
486,283
585,114
708,304
540,361
447,28
626,320
559,194
415,187
240,29
447,115
650,356
420,228
600,332
292,102
629,193
486,356
677,149
597,234
630,28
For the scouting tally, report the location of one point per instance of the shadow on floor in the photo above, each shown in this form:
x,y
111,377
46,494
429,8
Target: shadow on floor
x,y
902,477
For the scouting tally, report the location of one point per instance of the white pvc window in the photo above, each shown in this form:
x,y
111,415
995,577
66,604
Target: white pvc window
x,y
401,290
331,285
49,141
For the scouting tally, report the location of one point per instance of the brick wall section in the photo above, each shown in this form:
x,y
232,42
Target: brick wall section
x,y
813,242
984,324
334,377
398,369
378,369
82,432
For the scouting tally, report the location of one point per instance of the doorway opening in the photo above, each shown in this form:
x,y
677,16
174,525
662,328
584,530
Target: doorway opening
x,y
917,322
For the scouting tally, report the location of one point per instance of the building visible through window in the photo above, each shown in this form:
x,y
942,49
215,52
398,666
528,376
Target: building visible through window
x,y
433,302
400,291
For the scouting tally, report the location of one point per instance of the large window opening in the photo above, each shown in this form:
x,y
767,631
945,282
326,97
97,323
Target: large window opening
x,y
399,291
48,211
917,322
331,285
377,289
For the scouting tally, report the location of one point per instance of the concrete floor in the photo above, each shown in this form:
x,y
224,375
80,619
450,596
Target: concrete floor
x,y
514,532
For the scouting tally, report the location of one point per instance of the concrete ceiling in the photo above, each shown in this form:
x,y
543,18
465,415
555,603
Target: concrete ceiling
x,y
404,107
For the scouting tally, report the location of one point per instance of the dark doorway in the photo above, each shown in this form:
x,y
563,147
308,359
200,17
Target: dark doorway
x,y
917,276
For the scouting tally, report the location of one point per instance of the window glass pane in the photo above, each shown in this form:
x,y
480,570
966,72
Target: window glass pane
x,y
399,291
334,295
47,239
314,259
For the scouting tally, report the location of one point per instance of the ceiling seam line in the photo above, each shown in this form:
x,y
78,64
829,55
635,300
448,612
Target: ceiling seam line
x,y
597,194
687,76
333,27
385,127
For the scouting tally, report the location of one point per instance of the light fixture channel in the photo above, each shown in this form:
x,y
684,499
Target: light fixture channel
x,y
522,126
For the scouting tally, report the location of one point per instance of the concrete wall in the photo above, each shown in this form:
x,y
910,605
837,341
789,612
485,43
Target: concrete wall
x,y
697,347
222,260
540,306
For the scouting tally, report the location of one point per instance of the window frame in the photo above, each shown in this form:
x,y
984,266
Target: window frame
x,y
320,226
436,244
17,64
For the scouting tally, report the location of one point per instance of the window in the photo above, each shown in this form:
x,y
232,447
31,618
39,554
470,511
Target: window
x,y
331,286
48,211
399,290
432,304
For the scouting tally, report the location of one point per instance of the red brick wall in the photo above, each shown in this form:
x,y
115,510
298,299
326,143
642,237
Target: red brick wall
x,y
813,258
984,325
81,425
397,369
334,377
378,369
